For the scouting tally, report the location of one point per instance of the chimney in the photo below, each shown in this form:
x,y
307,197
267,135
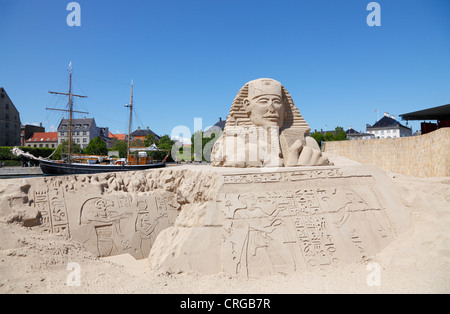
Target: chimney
x,y
220,119
393,117
386,114
148,128
139,128
40,124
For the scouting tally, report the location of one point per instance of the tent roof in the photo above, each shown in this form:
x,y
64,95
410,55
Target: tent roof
x,y
436,113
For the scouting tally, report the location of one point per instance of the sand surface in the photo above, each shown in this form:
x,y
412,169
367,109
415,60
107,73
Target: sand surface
x,y
418,261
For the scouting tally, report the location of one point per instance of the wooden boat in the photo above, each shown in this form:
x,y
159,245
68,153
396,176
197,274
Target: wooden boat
x,y
69,167
55,168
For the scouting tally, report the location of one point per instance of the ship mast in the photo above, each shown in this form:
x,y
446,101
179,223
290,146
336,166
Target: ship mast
x,y
129,123
71,111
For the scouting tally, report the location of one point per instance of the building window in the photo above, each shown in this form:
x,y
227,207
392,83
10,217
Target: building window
x,y
84,133
41,145
84,140
53,145
7,116
7,105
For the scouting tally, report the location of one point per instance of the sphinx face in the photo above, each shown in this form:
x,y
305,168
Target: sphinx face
x,y
267,110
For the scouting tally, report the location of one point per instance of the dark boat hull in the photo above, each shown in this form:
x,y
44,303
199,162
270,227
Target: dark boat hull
x,y
53,168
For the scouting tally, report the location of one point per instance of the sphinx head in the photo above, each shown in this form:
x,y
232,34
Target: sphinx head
x,y
265,104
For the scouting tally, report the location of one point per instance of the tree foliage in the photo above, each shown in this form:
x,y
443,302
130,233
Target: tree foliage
x,y
165,144
63,148
150,140
207,144
339,135
96,146
121,147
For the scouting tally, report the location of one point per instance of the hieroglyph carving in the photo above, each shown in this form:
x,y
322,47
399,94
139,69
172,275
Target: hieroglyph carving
x,y
121,224
288,230
50,202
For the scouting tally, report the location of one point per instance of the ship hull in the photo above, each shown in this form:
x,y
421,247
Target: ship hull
x,y
53,168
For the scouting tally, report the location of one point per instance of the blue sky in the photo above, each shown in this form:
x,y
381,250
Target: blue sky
x,y
189,58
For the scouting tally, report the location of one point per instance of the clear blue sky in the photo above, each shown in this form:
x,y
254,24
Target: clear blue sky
x,y
189,58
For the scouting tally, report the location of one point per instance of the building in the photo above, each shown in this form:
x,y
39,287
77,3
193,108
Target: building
x,y
10,126
49,140
142,134
439,114
355,135
27,132
216,127
83,131
388,127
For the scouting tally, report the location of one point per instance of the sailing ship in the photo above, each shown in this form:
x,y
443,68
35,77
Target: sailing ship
x,y
70,166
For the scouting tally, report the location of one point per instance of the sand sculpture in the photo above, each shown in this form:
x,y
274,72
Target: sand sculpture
x,y
265,129
110,214
239,219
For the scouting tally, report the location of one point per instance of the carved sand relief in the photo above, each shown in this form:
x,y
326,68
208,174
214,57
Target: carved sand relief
x,y
281,230
116,213
117,224
49,200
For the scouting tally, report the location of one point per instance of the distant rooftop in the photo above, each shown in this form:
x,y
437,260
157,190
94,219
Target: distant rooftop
x,y
44,137
386,122
140,133
220,124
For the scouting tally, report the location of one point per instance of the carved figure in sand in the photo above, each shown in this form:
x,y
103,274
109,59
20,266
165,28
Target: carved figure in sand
x,y
265,129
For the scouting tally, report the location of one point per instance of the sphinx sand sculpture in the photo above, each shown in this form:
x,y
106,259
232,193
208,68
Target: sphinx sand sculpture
x,y
234,218
265,129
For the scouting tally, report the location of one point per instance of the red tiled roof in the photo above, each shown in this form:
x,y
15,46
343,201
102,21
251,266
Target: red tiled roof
x,y
120,137
44,137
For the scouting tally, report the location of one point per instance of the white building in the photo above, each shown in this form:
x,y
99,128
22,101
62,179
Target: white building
x,y
389,127
83,131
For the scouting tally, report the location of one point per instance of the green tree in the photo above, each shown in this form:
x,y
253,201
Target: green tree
x,y
328,137
96,146
121,147
137,144
318,136
63,148
339,134
150,140
207,142
165,144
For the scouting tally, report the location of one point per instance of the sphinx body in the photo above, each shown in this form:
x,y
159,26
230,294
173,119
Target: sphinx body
x,y
265,129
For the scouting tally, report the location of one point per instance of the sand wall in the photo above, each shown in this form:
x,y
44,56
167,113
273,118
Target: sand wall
x,y
420,156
